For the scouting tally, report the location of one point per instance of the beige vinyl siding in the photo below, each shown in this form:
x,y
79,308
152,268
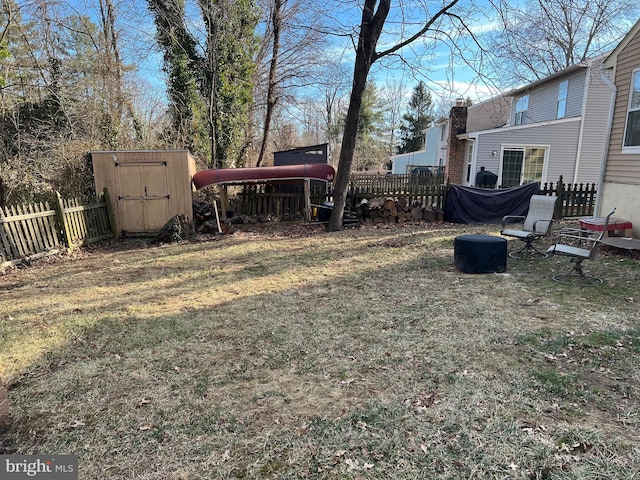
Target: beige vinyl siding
x,y
623,168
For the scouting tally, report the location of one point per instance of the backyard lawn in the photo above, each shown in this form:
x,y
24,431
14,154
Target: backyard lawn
x,y
287,352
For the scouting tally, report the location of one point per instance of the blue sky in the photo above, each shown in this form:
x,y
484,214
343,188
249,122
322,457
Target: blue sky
x,y
440,67
443,65
443,68
437,65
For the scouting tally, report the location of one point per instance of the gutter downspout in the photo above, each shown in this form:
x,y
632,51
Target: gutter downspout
x,y
605,154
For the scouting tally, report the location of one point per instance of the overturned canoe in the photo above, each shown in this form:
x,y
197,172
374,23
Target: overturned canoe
x,y
315,171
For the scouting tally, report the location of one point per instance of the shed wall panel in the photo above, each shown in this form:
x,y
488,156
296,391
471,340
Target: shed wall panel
x,y
168,190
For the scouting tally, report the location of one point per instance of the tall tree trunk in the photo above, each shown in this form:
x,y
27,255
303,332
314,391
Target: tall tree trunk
x,y
370,29
112,76
276,19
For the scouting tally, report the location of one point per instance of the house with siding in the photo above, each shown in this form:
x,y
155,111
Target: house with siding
x,y
431,156
620,186
557,126
441,144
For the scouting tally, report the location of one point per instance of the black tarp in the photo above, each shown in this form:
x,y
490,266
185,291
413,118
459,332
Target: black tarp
x,y
479,205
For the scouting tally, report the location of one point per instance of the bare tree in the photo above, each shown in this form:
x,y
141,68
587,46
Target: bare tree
x,y
541,37
374,17
393,97
276,28
287,60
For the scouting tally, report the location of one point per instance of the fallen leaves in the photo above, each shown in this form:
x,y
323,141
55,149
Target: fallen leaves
x,y
422,402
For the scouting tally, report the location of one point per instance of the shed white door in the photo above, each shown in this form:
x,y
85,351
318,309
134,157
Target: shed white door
x,y
143,198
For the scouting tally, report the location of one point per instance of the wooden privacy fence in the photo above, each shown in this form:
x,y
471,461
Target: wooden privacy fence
x,y
33,230
576,200
263,200
427,190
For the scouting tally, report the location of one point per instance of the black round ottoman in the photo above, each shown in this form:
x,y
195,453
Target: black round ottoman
x,y
480,253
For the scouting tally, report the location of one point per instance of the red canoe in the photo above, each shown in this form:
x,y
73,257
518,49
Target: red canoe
x,y
316,171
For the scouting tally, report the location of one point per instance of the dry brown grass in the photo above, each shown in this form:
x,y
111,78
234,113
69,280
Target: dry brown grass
x,y
293,353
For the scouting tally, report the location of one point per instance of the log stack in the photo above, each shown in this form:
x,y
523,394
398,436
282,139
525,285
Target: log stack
x,y
397,210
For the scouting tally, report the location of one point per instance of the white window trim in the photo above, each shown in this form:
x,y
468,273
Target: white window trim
x,y
635,149
511,146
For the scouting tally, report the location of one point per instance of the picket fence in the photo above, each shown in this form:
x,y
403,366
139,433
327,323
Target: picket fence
x,y
30,231
425,189
33,230
575,200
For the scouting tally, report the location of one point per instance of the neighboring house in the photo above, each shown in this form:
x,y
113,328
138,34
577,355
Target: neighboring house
x,y
620,187
441,143
556,126
436,143
430,156
405,162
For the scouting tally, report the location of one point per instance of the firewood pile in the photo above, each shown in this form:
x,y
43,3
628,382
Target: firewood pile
x,y
397,210
206,222
204,218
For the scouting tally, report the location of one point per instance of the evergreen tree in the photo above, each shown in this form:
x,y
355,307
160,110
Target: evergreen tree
x,y
231,42
418,118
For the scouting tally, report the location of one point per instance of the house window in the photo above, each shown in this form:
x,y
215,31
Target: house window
x,y
562,99
522,105
632,130
521,165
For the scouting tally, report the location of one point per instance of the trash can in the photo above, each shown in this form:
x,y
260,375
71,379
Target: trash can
x,y
324,212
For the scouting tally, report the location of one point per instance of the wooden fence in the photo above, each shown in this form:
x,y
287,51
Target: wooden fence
x,y
575,200
289,200
34,230
426,190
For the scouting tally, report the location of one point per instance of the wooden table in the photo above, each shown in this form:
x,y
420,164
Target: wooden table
x,y
596,224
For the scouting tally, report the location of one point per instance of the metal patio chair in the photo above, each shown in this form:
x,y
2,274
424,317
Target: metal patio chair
x,y
535,225
579,245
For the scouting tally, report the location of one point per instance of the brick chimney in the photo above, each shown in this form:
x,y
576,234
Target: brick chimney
x,y
455,151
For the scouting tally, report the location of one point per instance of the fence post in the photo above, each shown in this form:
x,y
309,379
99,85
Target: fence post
x,y
63,221
307,199
110,214
560,203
